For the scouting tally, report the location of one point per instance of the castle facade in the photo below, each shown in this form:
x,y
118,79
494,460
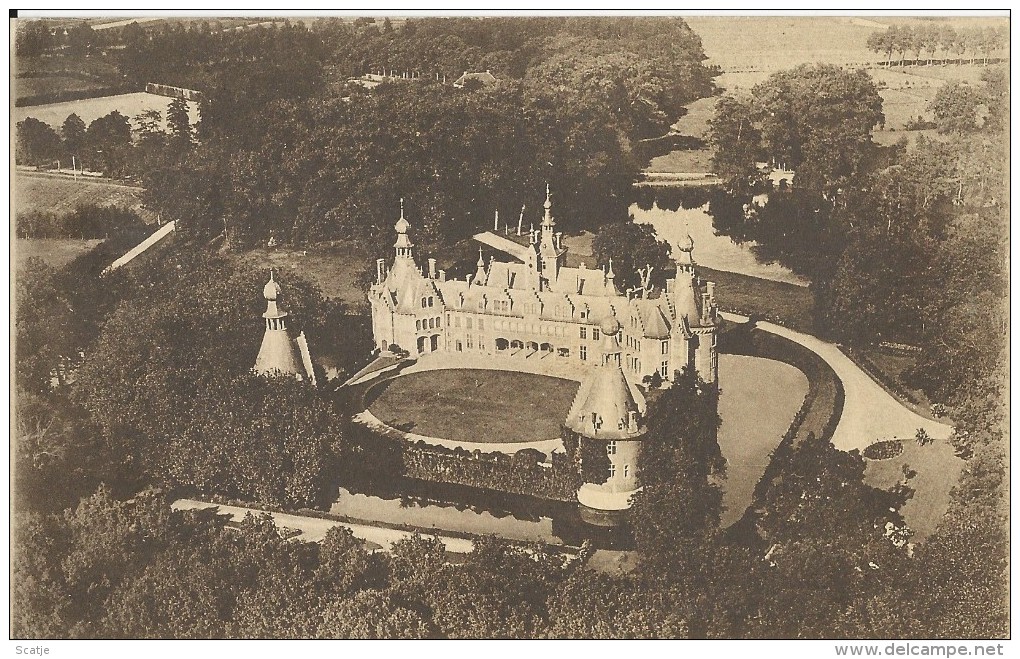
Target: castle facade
x,y
534,306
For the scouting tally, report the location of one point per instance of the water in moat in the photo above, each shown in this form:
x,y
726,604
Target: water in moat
x,y
710,250
758,400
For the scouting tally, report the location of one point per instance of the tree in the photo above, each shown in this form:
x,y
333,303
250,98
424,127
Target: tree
x,y
630,246
37,143
179,124
108,140
882,42
33,37
81,39
73,133
736,144
811,112
955,108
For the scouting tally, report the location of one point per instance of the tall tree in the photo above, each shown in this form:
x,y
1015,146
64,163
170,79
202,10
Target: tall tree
x,y
73,133
37,143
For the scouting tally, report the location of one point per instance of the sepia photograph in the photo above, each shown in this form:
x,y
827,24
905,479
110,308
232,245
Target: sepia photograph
x,y
533,325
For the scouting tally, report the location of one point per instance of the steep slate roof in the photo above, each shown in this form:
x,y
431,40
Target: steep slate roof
x,y
603,404
495,241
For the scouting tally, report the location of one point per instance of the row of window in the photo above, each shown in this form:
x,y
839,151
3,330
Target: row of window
x,y
428,301
429,323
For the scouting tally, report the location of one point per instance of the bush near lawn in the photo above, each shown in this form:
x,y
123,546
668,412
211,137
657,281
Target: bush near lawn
x,y
884,450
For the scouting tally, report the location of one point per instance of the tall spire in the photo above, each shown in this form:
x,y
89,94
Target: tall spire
x,y
686,247
403,244
547,220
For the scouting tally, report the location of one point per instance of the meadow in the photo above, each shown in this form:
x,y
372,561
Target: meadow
x,y
90,109
52,193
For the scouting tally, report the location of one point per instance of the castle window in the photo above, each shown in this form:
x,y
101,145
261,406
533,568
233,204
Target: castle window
x,y
481,324
665,347
595,333
460,347
423,301
584,332
664,369
584,353
417,325
430,300
626,470
612,470
611,448
469,322
439,321
470,343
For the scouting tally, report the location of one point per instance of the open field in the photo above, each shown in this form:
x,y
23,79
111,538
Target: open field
x,y
690,160
62,194
474,405
695,122
90,109
55,252
937,470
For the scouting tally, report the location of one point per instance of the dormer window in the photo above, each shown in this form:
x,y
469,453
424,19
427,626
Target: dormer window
x,y
424,303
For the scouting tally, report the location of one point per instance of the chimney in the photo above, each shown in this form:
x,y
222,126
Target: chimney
x,y
632,421
711,290
469,278
559,239
442,275
669,285
380,270
706,306
432,268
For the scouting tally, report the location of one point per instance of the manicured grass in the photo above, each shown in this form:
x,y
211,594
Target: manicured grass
x,y
335,269
473,405
54,252
787,304
62,194
937,469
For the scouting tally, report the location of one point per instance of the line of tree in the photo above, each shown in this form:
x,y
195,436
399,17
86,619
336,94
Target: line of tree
x,y
939,42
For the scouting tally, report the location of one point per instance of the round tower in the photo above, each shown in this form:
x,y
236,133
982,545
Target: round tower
x,y
278,355
608,415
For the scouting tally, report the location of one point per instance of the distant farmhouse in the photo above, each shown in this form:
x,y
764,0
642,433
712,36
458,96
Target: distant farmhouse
x,y
486,79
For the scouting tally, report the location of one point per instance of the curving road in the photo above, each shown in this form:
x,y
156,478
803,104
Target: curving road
x,y
870,413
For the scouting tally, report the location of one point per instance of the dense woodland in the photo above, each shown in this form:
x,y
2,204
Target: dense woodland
x,y
117,415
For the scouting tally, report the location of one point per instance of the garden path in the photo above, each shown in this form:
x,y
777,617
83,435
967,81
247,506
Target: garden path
x,y
870,413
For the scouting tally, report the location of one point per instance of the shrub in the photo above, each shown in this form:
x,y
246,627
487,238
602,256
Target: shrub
x,y
884,450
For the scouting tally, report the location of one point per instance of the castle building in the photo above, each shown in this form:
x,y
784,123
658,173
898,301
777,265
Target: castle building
x,y
535,306
280,355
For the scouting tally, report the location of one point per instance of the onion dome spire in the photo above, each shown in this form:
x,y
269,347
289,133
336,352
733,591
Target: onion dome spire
x,y
547,220
403,244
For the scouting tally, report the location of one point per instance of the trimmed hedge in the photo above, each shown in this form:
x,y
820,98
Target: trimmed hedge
x,y
383,458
